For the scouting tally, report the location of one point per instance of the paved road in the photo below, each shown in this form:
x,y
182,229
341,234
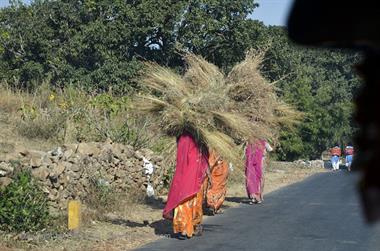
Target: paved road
x,y
321,213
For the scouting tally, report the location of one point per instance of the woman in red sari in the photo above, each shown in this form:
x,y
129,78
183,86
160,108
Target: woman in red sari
x,y
184,205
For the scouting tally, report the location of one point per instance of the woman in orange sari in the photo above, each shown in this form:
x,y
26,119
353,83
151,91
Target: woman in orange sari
x,y
216,192
185,198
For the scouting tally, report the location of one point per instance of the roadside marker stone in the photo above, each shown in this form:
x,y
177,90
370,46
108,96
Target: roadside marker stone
x,y
74,215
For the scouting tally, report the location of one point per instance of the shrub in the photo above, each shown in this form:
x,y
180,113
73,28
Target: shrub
x,y
168,177
23,205
44,126
103,198
133,133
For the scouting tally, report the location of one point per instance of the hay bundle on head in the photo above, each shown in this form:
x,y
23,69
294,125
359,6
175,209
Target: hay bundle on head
x,y
256,98
197,103
218,111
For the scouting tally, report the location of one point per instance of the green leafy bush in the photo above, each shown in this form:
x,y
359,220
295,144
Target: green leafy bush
x,y
23,205
108,104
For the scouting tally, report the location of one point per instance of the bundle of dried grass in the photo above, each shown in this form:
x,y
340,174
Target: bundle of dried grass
x,y
197,103
256,98
219,111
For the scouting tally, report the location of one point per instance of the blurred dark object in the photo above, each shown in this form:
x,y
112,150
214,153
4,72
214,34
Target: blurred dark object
x,y
342,24
335,23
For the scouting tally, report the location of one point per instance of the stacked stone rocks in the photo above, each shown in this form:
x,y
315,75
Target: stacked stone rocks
x,y
68,172
310,163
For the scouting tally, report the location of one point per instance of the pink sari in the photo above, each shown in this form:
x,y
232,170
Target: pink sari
x,y
254,169
189,175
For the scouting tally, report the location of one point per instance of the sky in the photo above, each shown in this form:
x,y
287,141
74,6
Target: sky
x,y
271,12
6,2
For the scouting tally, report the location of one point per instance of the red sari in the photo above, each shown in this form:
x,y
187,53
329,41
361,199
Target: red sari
x,y
186,191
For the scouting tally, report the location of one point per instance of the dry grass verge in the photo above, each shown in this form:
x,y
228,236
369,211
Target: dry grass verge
x,y
50,117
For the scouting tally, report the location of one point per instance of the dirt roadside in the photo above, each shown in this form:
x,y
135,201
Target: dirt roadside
x,y
139,224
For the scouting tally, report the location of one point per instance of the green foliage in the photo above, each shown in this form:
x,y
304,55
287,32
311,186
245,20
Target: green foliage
x,y
108,116
133,133
219,30
23,206
28,111
98,46
70,42
320,83
108,104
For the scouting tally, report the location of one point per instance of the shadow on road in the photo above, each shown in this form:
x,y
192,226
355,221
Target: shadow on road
x,y
162,227
243,200
211,228
128,223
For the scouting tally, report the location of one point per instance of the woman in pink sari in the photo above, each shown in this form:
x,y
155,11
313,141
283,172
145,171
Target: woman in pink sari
x,y
254,170
185,199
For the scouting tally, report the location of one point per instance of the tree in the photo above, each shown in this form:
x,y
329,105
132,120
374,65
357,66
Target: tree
x,y
99,45
219,30
321,84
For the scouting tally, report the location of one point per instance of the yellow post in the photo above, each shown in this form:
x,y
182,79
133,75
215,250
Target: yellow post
x,y
74,215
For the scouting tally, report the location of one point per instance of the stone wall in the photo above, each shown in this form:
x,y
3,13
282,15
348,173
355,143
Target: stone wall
x,y
68,172
310,163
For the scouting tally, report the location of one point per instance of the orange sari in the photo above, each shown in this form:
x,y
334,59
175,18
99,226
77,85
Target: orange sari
x,y
188,215
216,192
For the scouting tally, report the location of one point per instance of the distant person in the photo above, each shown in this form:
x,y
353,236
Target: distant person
x,y
185,198
335,153
217,189
254,170
349,152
